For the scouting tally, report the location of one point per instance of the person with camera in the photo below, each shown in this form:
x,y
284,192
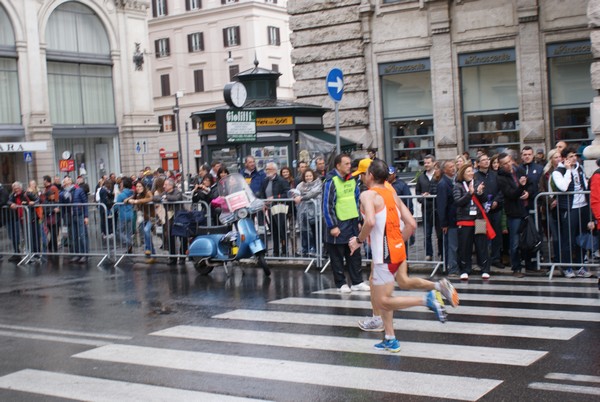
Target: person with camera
x,y
308,189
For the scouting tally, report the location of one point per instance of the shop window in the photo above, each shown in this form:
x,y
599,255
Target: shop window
x,y
162,48
165,85
570,92
490,102
231,36
196,42
10,109
408,114
273,36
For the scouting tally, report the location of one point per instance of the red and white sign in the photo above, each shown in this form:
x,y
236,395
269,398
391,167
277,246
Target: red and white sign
x,y
237,200
66,165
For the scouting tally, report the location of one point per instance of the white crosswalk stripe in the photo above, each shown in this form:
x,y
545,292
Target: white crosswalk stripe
x,y
433,385
465,353
520,331
537,317
100,390
463,310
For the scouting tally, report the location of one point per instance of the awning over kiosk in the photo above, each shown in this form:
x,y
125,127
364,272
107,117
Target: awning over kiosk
x,y
319,141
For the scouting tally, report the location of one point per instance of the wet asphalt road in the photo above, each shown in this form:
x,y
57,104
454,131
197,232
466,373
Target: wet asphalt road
x,y
52,313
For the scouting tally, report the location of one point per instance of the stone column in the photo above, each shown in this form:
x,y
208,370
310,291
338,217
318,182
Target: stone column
x,y
445,101
592,152
134,97
533,125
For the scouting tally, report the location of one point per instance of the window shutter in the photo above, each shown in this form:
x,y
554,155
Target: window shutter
x,y
190,47
174,125
168,47
225,36
233,71
154,14
160,124
198,81
278,38
237,36
223,1
165,3
156,49
165,85
187,5
202,41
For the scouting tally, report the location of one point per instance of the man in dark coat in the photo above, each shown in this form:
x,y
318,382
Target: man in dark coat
x,y
446,209
494,206
275,187
512,181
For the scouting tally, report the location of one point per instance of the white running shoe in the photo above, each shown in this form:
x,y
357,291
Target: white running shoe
x,y
344,289
361,287
371,324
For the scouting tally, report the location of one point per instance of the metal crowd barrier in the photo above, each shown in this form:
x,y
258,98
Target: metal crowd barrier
x,y
568,243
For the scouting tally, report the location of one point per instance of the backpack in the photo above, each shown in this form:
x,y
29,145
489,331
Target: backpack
x,y
530,240
185,223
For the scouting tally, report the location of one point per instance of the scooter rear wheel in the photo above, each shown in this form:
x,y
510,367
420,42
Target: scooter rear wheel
x,y
202,266
262,261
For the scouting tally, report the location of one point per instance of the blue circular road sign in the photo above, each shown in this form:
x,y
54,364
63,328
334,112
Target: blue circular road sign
x,y
335,84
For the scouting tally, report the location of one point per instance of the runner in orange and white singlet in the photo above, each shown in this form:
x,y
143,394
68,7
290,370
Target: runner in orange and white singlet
x,y
383,213
387,245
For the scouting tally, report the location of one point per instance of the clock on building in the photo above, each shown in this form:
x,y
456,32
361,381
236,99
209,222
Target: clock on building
x,y
66,155
235,94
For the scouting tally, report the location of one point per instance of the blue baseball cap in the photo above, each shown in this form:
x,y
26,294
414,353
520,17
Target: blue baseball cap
x,y
391,170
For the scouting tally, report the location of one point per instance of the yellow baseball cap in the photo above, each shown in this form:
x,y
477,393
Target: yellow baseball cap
x,y
363,165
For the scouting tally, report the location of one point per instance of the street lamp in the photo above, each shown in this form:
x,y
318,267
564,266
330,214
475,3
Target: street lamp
x,y
178,95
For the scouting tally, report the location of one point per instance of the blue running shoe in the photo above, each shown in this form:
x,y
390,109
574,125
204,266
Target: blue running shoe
x,y
436,304
388,344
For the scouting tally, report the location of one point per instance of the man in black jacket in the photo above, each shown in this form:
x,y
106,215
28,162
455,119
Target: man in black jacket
x,y
425,182
512,181
274,187
446,209
494,206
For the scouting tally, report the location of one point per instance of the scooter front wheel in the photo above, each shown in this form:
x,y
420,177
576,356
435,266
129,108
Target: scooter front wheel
x,y
201,265
262,261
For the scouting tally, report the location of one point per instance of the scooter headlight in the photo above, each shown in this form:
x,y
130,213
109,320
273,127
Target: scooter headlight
x,y
242,213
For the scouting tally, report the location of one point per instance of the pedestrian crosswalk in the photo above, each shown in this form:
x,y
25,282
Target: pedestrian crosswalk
x,y
313,341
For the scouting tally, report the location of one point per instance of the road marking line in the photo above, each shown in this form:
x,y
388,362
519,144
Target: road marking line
x,y
571,301
476,354
574,389
591,291
95,389
461,310
504,330
364,379
573,377
52,338
64,332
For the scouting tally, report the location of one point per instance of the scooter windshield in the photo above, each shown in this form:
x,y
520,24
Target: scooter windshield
x,y
237,194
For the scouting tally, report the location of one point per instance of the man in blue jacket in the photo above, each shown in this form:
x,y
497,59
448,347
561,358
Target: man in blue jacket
x,y
446,209
125,214
253,176
341,214
76,219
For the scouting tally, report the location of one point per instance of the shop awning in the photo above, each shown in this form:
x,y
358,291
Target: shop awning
x,y
319,141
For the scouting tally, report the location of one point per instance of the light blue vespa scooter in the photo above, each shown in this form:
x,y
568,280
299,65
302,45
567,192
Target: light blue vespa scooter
x,y
237,237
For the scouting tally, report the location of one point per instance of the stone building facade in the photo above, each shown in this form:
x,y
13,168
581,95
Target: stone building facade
x,y
70,92
447,76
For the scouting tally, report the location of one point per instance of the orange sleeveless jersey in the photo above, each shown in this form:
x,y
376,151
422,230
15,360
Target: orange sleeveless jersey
x,y
393,233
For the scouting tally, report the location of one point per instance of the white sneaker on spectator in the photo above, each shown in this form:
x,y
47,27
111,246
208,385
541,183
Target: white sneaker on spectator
x,y
344,289
485,275
464,276
361,287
